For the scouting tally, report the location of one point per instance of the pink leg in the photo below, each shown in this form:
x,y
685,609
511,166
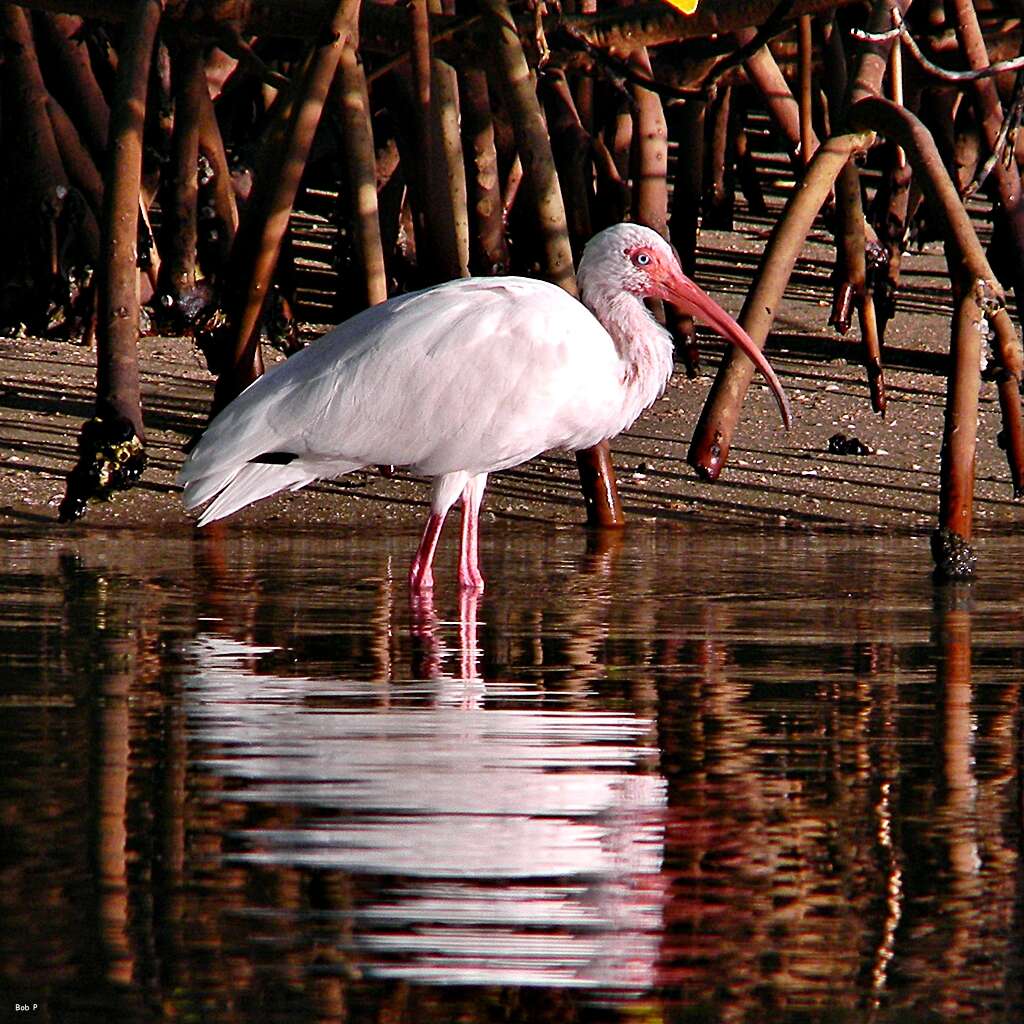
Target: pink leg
x,y
421,575
469,567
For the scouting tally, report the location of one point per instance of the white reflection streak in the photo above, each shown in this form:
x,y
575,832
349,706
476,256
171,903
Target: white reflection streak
x,y
893,898
534,837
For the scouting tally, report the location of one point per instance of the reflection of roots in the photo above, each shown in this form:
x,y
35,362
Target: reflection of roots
x,y
111,457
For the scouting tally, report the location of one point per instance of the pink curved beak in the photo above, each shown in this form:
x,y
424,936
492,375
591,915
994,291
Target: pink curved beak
x,y
685,294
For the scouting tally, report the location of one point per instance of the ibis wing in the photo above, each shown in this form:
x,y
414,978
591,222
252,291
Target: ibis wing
x,y
472,375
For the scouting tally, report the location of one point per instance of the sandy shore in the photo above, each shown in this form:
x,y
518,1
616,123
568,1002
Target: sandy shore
x,y
46,391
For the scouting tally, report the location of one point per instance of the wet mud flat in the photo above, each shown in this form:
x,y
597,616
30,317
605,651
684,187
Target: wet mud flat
x,y
795,478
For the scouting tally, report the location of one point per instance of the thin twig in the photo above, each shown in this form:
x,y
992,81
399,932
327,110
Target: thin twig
x,y
1008,129
945,74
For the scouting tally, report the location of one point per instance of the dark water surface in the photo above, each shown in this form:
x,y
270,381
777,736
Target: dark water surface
x,y
700,775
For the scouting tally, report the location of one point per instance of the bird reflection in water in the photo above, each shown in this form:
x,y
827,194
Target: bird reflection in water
x,y
497,839
430,654
432,657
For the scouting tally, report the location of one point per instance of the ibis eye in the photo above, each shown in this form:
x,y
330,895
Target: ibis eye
x,y
642,259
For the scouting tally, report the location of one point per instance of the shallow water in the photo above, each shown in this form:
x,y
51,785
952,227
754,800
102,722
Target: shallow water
x,y
696,775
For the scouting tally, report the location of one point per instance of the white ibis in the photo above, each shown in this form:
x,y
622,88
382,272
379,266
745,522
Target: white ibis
x,y
458,381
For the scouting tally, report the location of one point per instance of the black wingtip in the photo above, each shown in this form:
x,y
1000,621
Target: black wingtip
x,y
275,458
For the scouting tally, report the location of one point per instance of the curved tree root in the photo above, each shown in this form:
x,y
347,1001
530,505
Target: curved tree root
x,y
111,453
980,299
710,446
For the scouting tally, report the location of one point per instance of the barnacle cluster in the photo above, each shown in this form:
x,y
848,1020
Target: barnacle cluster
x,y
111,457
954,557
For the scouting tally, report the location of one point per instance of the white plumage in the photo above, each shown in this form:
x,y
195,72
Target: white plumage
x,y
454,382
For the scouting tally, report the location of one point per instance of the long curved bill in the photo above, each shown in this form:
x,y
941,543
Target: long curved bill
x,y
693,300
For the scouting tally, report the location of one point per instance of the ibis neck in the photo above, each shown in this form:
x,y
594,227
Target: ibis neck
x,y
644,346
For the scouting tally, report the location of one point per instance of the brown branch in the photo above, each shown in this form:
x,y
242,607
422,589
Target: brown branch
x,y
225,204
684,224
752,41
619,69
450,163
571,148
710,446
651,133
82,172
111,445
532,141
262,229
959,440
990,119
1008,129
88,105
765,74
854,283
720,191
42,173
808,139
230,40
654,24
118,391
361,174
181,227
489,248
